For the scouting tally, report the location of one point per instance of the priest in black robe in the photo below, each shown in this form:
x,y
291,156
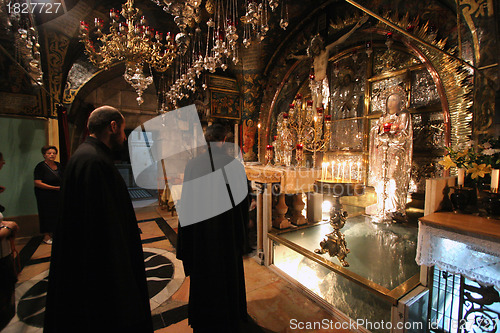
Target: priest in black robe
x,y
212,249
97,279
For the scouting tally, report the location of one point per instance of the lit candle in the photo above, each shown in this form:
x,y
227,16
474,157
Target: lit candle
x,y
350,171
338,172
494,180
343,170
333,169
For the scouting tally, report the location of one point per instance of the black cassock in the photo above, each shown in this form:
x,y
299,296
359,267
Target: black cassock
x,y
97,280
211,252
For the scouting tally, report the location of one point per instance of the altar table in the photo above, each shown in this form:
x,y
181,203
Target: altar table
x,y
291,181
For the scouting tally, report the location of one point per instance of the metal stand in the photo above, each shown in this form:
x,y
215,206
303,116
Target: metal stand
x,y
335,243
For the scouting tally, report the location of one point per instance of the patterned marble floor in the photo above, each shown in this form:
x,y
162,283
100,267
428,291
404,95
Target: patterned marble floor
x,y
272,302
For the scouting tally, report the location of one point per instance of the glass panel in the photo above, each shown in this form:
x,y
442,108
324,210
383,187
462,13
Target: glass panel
x,y
423,89
347,86
377,92
388,60
345,295
384,254
347,135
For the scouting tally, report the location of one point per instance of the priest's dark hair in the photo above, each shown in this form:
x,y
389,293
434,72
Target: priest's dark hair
x,y
215,132
101,117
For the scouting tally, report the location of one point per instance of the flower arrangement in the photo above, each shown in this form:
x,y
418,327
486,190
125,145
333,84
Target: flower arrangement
x,y
477,160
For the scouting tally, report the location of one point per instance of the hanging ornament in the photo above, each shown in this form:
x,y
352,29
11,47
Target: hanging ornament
x,y
284,15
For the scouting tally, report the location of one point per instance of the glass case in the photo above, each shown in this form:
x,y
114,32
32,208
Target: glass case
x,y
382,266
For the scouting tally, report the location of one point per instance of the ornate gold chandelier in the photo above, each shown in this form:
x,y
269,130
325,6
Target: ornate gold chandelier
x,y
129,40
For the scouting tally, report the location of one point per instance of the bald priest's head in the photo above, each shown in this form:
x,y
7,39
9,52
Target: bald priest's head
x,y
107,124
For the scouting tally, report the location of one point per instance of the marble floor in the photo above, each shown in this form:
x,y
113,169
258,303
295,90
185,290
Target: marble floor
x,y
272,302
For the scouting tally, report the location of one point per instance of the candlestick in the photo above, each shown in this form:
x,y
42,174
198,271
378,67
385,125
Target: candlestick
x,y
495,175
299,154
269,154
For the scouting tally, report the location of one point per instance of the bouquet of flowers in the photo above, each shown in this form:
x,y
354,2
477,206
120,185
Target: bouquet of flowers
x,y
477,160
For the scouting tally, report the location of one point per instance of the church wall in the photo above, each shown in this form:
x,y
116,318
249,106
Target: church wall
x,y
20,142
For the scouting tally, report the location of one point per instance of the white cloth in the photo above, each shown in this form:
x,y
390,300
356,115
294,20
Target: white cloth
x,y
473,256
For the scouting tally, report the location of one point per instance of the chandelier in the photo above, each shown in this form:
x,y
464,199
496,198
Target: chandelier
x,y
130,40
256,19
301,128
17,21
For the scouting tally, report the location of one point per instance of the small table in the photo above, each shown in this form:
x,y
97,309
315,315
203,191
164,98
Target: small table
x,y
461,244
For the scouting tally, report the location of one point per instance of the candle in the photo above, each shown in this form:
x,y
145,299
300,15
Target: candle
x,y
350,172
338,171
359,173
343,170
461,177
494,180
333,169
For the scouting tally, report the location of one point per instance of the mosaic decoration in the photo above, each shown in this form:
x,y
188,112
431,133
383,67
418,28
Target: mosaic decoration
x,y
428,132
57,46
389,60
164,274
347,86
80,73
378,92
423,89
347,135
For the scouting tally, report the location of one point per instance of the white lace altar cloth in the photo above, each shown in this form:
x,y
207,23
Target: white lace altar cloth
x,y
471,255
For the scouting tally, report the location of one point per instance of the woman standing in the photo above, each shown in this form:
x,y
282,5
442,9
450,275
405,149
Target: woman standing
x,y
48,178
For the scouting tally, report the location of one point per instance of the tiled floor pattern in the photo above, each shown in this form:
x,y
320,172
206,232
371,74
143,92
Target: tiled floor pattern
x,y
272,302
